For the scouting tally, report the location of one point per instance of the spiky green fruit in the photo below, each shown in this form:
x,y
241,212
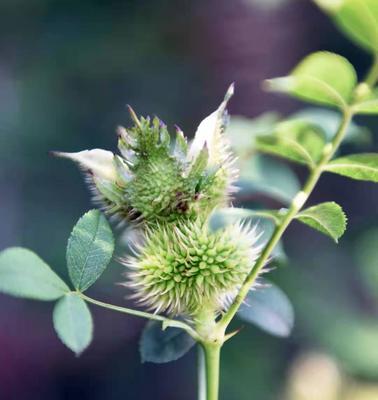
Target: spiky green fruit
x,y
156,182
182,269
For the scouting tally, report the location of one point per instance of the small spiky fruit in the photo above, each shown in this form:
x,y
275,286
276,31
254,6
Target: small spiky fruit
x,y
153,181
182,269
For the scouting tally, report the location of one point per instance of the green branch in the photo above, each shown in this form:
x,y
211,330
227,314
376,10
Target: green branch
x,y
212,365
296,205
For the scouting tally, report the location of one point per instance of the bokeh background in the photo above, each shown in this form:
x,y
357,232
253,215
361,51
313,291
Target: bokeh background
x,y
67,70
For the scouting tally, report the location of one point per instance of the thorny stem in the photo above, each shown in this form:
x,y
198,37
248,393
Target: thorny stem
x,y
167,322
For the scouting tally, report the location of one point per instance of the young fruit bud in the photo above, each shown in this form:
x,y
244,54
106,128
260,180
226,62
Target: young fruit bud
x,y
182,269
156,182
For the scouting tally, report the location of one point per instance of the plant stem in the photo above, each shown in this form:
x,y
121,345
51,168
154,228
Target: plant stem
x,y
167,322
201,373
212,361
296,205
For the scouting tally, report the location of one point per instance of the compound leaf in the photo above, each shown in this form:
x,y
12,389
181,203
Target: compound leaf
x,y
24,274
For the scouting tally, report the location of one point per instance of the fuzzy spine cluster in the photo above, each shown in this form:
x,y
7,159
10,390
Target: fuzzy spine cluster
x,y
188,267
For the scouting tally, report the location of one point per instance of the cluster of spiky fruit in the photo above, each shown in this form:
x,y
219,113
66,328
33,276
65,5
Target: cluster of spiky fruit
x,y
169,191
153,181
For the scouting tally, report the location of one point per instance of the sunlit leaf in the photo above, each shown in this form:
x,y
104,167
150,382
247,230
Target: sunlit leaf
x,y
89,250
322,77
284,147
358,19
160,346
24,274
328,218
369,105
73,322
357,166
305,133
270,309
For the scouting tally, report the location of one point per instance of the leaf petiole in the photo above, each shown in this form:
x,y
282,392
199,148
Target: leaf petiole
x,y
167,322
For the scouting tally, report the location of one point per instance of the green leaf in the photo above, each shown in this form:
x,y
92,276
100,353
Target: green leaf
x,y
73,322
270,309
329,121
284,147
327,218
363,167
262,175
358,19
322,77
307,134
24,274
160,346
368,105
89,250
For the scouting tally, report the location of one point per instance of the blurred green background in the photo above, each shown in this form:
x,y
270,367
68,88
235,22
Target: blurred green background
x,y
67,71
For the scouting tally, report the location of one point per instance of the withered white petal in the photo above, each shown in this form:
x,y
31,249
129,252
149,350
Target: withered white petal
x,y
209,132
99,162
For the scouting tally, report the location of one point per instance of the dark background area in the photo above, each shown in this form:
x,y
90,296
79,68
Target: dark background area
x,y
67,71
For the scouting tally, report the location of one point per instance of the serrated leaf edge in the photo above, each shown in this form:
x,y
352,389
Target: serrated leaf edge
x,y
330,234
